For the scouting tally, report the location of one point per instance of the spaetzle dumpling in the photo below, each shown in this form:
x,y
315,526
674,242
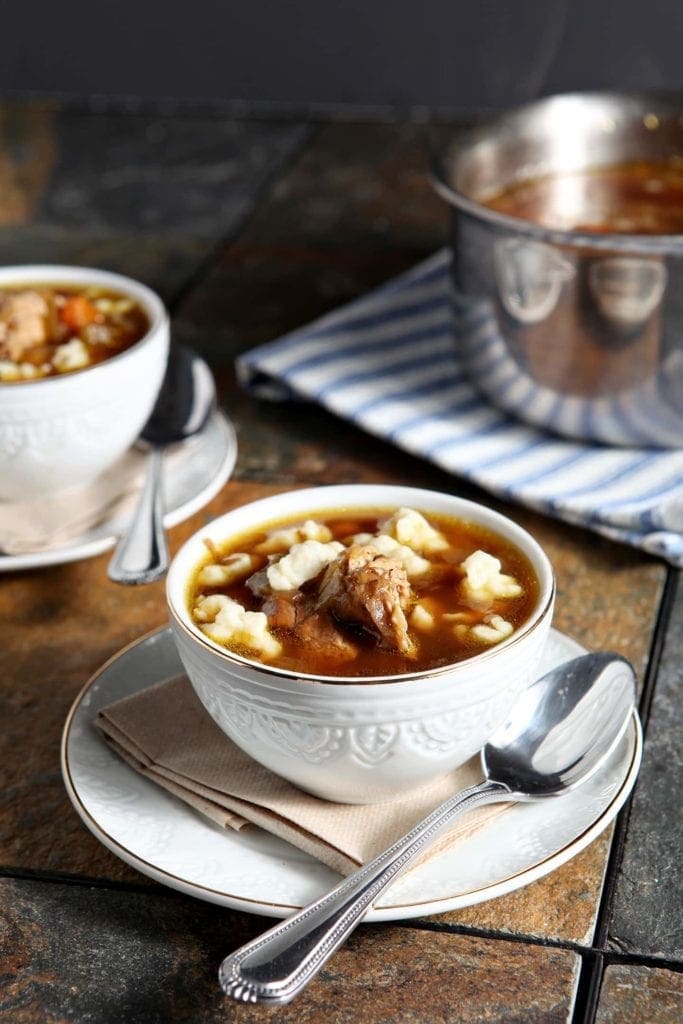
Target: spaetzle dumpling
x,y
483,581
284,539
303,563
410,528
221,574
226,621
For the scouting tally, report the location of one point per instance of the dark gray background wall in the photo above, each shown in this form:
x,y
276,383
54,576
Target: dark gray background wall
x,y
438,54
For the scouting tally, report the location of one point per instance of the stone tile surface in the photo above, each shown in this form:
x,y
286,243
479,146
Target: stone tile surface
x,y
356,209
646,916
631,993
146,196
73,953
561,906
360,185
312,219
56,633
131,174
27,159
164,264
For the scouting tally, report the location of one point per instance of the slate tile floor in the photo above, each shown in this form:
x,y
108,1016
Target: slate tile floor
x,y
249,228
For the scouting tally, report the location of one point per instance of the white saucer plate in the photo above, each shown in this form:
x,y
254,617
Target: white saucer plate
x,y
258,873
198,470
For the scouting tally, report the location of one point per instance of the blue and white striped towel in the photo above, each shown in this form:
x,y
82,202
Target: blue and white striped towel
x,y
389,363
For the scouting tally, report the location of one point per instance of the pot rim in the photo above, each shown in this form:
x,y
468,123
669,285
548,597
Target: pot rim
x,y
636,104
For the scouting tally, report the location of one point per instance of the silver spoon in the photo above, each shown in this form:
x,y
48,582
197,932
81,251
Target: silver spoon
x,y
185,402
559,732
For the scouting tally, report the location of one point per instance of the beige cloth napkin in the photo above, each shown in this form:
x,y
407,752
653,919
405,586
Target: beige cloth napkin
x,y
42,524
165,734
45,524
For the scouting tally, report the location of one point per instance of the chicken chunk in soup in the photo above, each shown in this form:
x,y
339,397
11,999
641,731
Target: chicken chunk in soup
x,y
47,330
363,593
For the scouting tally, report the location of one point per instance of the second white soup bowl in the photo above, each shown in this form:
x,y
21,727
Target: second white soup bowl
x,y
61,432
358,740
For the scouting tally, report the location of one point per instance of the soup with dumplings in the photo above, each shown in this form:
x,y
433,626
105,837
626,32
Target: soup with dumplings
x,y
354,593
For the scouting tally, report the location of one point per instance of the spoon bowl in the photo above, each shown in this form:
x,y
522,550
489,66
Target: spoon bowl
x,y
186,399
560,731
562,727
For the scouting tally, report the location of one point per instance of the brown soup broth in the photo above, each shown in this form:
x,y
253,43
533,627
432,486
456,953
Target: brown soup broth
x,y
638,197
438,647
39,321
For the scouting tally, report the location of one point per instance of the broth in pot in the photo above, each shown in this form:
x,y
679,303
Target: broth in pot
x,y
637,197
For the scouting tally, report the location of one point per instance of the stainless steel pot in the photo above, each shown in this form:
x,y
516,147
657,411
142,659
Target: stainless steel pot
x,y
577,332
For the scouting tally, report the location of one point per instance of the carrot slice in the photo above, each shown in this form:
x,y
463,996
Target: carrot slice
x,y
77,312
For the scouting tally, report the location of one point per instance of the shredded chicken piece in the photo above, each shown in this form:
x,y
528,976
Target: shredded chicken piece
x,y
283,610
321,634
371,589
22,323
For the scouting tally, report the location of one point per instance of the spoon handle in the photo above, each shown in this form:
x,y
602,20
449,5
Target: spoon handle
x,y
141,555
276,966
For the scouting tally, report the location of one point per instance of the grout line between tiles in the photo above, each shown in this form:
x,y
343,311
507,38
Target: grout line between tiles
x,y
204,265
645,705
588,990
165,893
536,940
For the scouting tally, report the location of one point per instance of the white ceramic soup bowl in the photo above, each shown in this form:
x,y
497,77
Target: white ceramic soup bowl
x,y
61,432
359,740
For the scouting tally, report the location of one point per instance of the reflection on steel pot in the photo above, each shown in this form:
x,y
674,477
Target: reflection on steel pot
x,y
627,290
529,276
569,305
